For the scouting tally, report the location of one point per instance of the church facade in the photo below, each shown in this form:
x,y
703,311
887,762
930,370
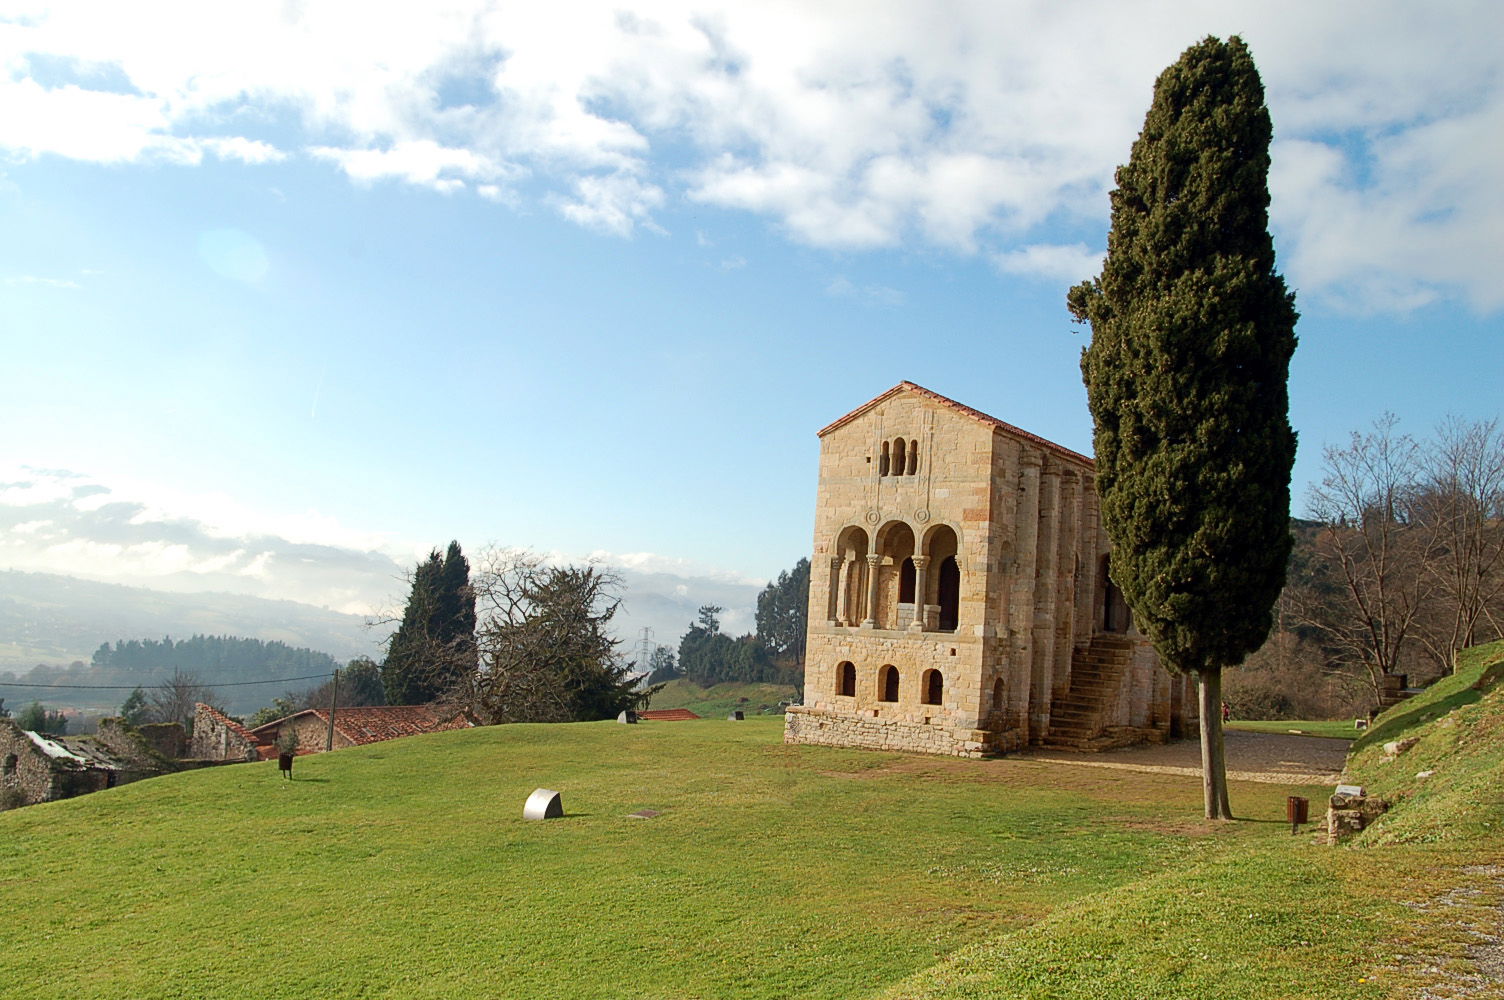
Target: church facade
x,y
960,601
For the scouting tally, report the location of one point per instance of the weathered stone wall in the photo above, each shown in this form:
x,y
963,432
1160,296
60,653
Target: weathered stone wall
x,y
804,725
25,773
216,737
166,738
313,734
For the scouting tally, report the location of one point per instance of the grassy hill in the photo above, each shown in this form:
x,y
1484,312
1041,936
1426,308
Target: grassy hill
x,y
405,870
722,699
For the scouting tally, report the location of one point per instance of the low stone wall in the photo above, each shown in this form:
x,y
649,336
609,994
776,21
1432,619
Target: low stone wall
x,y
807,725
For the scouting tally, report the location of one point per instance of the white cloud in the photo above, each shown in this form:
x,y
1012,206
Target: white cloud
x,y
422,162
975,129
38,280
614,203
652,562
841,287
60,522
1052,262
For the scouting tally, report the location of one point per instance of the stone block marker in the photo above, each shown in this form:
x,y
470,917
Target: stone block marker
x,y
544,803
1350,811
627,717
736,716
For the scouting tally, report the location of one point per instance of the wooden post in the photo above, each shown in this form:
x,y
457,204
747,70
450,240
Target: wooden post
x,y
333,701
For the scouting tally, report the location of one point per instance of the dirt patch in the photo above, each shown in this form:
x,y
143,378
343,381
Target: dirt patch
x,y
1471,914
1273,758
1173,827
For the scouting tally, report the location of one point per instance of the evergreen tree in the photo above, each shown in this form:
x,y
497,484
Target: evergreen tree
x,y
1192,333
661,666
38,719
133,709
783,618
433,650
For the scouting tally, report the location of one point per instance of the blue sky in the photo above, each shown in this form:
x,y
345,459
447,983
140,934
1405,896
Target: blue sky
x,y
288,280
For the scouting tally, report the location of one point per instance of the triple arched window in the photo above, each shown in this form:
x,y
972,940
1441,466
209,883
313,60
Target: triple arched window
x,y
889,681
900,457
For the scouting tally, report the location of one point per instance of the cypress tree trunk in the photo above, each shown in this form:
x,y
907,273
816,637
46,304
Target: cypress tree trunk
x,y
1213,756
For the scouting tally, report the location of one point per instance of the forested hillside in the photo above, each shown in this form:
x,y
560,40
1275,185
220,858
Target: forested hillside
x,y
225,664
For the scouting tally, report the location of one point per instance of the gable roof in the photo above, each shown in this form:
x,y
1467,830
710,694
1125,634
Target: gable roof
x,y
226,721
960,408
373,724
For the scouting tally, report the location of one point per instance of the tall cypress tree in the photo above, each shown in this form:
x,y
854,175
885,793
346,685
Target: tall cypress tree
x,y
435,644
455,623
1192,333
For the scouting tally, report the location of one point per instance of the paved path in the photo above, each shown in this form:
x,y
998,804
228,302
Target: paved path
x,y
1276,758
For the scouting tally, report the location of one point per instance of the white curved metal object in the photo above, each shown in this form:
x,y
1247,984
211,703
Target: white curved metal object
x,y
544,803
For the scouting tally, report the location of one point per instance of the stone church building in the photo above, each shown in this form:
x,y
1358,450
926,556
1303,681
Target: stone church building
x,y
959,594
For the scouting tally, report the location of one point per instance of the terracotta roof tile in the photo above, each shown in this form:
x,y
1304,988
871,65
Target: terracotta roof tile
x,y
229,723
667,715
372,724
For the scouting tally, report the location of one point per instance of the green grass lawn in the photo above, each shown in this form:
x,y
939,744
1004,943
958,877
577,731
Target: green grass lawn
x,y
1340,729
406,870
721,700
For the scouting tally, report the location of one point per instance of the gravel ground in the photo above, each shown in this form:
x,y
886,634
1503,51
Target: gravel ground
x,y
1276,758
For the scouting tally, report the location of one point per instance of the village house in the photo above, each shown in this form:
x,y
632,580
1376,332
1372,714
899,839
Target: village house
x,y
960,599
38,767
360,726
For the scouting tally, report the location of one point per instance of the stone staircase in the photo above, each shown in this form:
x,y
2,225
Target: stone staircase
x,y
1096,675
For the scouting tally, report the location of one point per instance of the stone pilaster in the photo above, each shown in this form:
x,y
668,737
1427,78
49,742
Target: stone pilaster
x,y
1045,588
1021,587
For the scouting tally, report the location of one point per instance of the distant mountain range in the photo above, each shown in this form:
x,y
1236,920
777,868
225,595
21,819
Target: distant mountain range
x,y
56,620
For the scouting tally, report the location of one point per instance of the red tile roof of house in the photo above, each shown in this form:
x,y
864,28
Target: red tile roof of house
x,y
371,724
959,408
667,715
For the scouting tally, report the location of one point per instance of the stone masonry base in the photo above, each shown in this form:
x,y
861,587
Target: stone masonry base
x,y
807,725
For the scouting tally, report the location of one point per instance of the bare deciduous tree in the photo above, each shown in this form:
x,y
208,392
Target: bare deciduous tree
x,y
546,651
174,699
1369,543
1461,506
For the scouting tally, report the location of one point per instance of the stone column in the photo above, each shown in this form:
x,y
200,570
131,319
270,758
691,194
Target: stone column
x,y
843,598
1087,544
873,561
1047,549
1065,602
1021,588
833,599
921,591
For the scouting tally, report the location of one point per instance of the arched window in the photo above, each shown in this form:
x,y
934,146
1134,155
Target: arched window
x,y
948,592
1114,608
900,461
906,583
887,683
913,457
848,583
846,678
10,763
933,687
997,695
882,463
